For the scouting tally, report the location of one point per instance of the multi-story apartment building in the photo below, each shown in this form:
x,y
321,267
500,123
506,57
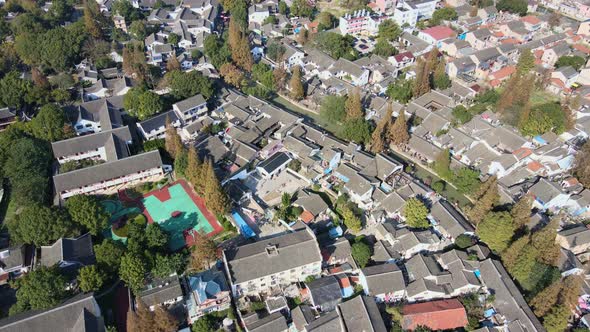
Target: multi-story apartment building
x,y
410,12
359,23
279,261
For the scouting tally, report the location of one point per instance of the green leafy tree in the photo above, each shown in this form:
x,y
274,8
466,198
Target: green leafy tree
x,y
108,255
91,278
401,90
336,45
39,289
384,48
415,213
132,271
461,114
275,51
93,19
351,220
496,230
165,265
389,30
466,180
142,103
486,197
51,124
440,79
521,211
357,130
138,30
215,198
187,84
40,225
15,91
283,8
301,8
557,319
204,324
519,7
361,252
332,108
156,237
464,241
443,14
442,165
216,50
575,61
88,212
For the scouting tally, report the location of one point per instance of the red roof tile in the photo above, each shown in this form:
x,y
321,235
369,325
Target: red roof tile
x,y
344,282
531,20
436,315
534,166
306,216
439,32
581,48
522,153
503,73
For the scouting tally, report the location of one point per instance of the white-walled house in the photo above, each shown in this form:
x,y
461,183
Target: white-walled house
x,y
191,108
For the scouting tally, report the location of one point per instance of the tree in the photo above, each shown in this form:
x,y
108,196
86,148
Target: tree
x,y
173,64
134,63
275,51
132,271
231,74
15,91
357,130
398,132
156,237
333,108
263,73
216,50
181,162
164,321
378,136
88,212
165,265
554,19
442,164
440,79
138,30
351,220
353,105
461,114
297,90
194,171
302,36
486,197
40,225
215,198
203,252
301,8
325,20
336,45
543,241
91,278
401,90
143,103
187,84
521,211
575,61
50,124
283,8
108,255
173,141
415,213
496,230
466,180
361,252
519,7
464,241
142,319
39,289
526,62
93,19
384,48
204,324
443,14
557,319
389,30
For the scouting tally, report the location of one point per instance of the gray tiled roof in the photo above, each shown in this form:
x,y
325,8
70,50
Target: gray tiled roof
x,y
362,314
158,121
80,313
191,102
77,250
272,323
107,171
292,250
384,278
161,291
82,144
325,291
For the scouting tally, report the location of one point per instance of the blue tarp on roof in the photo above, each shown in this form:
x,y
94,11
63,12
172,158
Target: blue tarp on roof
x,y
539,139
245,229
489,313
335,232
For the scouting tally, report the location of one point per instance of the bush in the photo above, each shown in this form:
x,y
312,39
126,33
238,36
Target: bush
x,y
121,231
439,186
463,241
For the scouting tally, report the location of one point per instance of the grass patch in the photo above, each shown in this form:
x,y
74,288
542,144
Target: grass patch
x,y
332,127
542,97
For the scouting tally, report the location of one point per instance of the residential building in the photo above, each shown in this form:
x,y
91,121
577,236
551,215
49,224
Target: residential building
x,y
80,313
162,292
208,292
191,108
7,117
281,260
325,293
384,282
436,315
576,239
436,35
14,261
410,12
69,253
